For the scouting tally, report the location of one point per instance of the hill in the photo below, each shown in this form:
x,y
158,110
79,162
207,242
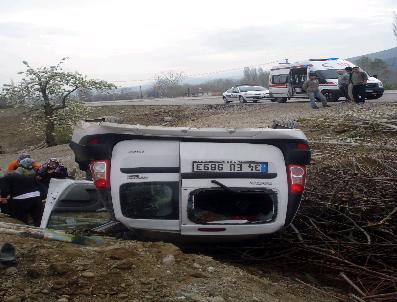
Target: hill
x,y
388,55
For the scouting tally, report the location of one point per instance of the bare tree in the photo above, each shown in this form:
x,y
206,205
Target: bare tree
x,y
168,84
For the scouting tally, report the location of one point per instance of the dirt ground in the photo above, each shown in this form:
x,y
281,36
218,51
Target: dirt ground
x,y
146,271
134,271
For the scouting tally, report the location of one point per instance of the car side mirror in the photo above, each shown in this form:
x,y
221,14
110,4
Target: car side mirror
x,y
375,76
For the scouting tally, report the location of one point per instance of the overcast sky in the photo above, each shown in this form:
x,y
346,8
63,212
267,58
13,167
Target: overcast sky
x,y
123,41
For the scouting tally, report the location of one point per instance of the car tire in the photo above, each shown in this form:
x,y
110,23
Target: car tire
x,y
373,97
225,100
242,99
331,96
281,100
273,100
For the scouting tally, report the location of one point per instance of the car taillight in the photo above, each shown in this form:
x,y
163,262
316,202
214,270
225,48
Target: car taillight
x,y
100,171
302,146
296,178
93,141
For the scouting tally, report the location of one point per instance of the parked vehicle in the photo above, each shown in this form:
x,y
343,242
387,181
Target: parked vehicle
x,y
224,184
286,79
244,93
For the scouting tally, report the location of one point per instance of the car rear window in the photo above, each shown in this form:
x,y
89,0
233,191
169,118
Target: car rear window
x,y
150,200
219,206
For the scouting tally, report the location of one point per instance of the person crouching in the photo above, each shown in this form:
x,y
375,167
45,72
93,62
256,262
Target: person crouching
x,y
311,86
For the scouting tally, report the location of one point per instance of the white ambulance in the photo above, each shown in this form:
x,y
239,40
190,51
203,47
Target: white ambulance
x,y
286,79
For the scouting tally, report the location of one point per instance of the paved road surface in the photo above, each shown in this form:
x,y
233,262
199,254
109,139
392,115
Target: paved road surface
x,y
389,96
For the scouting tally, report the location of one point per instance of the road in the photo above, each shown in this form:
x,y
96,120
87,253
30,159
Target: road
x,y
390,96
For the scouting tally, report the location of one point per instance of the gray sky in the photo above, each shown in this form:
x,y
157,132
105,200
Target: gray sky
x,y
123,40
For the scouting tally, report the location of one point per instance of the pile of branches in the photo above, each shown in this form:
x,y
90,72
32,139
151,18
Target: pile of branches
x,y
346,227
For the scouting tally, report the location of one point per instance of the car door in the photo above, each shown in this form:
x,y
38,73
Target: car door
x,y
73,204
280,86
235,93
253,168
228,94
145,184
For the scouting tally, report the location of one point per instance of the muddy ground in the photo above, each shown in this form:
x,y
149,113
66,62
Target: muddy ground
x,y
146,271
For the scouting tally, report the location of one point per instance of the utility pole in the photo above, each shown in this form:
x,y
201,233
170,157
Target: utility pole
x,y
140,89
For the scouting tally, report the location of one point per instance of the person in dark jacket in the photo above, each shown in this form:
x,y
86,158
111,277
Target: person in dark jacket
x,y
21,193
51,169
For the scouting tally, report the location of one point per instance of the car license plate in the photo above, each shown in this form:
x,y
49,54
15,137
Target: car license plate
x,y
369,90
230,166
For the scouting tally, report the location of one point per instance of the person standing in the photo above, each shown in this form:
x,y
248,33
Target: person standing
x,y
21,194
359,80
311,86
344,81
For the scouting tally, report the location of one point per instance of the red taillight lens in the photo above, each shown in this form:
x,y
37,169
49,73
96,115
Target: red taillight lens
x,y
93,141
100,171
296,178
302,146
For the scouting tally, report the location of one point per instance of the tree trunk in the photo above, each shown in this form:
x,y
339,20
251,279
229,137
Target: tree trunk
x,y
50,139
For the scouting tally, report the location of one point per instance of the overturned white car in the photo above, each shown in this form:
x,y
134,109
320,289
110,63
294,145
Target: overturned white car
x,y
222,183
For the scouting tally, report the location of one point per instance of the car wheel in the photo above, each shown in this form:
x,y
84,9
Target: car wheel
x,y
225,100
373,97
281,100
331,96
273,100
242,99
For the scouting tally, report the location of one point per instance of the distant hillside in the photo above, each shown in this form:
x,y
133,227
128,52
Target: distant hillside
x,y
388,55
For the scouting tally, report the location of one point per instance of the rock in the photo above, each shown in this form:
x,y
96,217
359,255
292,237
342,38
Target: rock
x,y
63,299
169,260
168,119
11,271
45,291
59,268
216,299
210,269
123,265
88,274
196,265
58,284
12,299
122,296
33,273
198,275
340,130
119,253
